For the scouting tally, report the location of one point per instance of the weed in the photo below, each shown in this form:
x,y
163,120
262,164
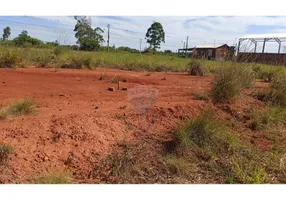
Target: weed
x,y
54,178
148,74
277,94
20,107
200,96
5,151
195,68
229,81
246,172
271,117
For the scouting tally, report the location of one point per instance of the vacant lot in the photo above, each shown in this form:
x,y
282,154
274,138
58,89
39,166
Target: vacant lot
x,y
93,135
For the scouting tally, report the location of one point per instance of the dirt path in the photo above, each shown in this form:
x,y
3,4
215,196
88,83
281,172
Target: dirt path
x,y
77,116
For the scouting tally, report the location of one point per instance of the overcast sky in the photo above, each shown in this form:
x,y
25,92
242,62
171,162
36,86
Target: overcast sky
x,y
127,31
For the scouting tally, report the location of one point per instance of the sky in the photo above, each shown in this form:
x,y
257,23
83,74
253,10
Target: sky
x,y
128,30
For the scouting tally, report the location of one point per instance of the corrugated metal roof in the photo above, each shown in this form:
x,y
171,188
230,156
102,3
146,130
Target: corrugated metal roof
x,y
208,46
262,36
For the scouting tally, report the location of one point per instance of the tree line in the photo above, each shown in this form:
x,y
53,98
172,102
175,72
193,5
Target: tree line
x,y
89,39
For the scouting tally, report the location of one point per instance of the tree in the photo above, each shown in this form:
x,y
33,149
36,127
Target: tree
x,y
6,33
88,39
155,35
98,35
24,38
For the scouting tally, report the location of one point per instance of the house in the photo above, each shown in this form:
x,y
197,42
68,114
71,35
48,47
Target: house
x,y
212,52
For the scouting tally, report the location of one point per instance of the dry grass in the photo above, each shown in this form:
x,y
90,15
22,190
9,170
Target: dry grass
x,y
54,178
5,151
20,107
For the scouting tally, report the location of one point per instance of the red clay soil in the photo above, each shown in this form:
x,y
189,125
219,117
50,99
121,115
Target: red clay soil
x,y
77,116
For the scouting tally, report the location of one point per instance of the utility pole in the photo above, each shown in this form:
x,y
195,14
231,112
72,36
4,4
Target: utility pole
x,y
187,46
108,26
140,44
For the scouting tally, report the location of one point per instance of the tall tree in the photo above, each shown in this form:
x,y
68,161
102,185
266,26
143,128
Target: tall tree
x,y
155,36
6,33
88,39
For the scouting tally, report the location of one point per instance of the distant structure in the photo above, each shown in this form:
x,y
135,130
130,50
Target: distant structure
x,y
210,52
255,56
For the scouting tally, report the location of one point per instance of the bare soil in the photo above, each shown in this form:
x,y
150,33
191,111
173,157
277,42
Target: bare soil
x,y
78,120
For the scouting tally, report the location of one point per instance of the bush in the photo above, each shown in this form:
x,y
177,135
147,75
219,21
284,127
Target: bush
x,y
195,68
11,58
59,50
229,81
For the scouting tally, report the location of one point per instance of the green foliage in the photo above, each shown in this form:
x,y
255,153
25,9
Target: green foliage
x,y
11,58
247,172
6,33
265,119
88,44
155,36
228,82
88,39
25,40
5,151
205,132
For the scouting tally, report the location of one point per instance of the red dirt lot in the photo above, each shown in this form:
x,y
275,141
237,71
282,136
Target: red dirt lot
x,y
77,116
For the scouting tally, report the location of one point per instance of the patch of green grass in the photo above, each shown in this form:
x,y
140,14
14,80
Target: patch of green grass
x,y
20,107
54,178
247,172
205,145
5,151
271,117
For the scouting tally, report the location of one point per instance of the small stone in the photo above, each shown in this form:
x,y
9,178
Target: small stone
x,y
122,107
45,158
124,80
3,82
110,89
163,79
124,88
62,95
96,107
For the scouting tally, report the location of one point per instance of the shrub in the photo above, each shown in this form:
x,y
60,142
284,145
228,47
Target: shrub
x,y
59,50
229,81
5,151
195,68
11,58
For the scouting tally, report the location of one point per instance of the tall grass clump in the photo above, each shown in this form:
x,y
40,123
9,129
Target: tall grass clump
x,y
195,68
204,144
228,82
11,58
20,107
277,91
265,119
